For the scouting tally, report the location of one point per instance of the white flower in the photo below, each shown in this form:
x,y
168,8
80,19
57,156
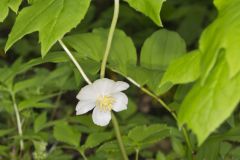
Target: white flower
x,y
102,96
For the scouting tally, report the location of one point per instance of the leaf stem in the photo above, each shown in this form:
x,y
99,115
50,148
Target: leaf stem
x,y
167,108
137,153
119,137
110,38
19,124
83,155
75,62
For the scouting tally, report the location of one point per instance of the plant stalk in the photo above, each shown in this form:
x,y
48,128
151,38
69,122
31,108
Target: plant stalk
x,y
137,154
75,62
167,108
110,38
19,124
119,137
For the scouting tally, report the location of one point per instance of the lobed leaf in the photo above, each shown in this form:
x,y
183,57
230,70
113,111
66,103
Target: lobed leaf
x,y
222,34
52,18
207,106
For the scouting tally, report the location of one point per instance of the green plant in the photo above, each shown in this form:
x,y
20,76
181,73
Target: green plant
x,y
198,85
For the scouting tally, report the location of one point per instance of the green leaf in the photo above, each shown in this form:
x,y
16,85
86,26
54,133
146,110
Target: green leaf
x,y
222,34
161,48
4,132
148,134
34,102
95,139
52,18
207,106
92,45
178,146
113,147
5,4
158,51
3,9
32,82
40,121
65,133
182,70
150,8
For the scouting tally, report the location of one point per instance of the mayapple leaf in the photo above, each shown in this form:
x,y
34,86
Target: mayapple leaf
x,y
52,18
207,106
222,34
150,8
5,5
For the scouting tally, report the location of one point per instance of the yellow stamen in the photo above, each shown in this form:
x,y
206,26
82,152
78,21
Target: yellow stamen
x,y
105,103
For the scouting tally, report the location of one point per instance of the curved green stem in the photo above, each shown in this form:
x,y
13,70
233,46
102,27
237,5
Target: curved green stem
x,y
19,124
102,74
119,137
75,62
110,38
167,108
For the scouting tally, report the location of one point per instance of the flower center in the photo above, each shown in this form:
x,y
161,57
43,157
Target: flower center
x,y
105,103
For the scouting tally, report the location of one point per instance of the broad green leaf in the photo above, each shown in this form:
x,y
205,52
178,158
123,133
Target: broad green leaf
x,y
161,48
207,106
150,8
122,52
14,4
65,133
87,45
52,18
158,51
182,70
5,5
95,139
40,121
3,9
148,134
222,34
92,45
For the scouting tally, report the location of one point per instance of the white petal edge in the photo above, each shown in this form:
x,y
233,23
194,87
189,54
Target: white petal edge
x,y
84,106
87,93
103,86
121,102
101,118
120,86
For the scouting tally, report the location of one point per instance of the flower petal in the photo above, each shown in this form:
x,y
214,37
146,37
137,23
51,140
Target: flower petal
x,y
120,86
101,118
84,107
103,86
121,102
87,93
